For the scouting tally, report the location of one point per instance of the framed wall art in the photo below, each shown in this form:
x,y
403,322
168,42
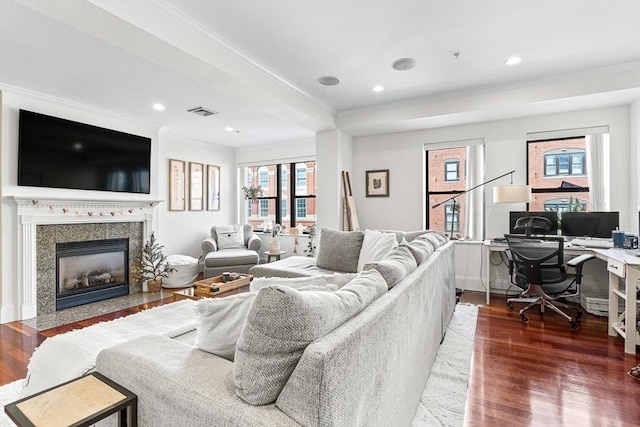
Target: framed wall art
x,y
176,185
213,188
196,186
377,183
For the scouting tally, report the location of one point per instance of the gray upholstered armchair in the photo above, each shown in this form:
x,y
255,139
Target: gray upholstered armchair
x,y
230,248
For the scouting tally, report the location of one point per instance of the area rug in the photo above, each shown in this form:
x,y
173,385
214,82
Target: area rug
x,y
442,403
445,396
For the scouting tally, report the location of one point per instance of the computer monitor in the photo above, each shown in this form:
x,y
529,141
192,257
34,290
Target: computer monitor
x,y
550,215
589,224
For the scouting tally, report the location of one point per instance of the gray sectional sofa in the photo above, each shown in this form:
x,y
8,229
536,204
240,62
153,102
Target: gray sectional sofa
x,y
369,371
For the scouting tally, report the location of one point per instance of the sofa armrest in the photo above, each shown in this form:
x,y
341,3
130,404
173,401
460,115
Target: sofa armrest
x,y
208,245
254,243
178,384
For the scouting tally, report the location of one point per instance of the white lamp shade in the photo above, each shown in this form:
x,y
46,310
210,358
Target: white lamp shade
x,y
512,194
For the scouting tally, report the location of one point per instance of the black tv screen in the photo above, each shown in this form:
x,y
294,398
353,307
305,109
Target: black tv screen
x,y
59,153
589,224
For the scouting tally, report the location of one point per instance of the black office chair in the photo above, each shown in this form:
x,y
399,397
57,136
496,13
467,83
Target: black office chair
x,y
529,225
536,265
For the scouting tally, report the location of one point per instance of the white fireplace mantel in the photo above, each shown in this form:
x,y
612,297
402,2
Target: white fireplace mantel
x,y
32,212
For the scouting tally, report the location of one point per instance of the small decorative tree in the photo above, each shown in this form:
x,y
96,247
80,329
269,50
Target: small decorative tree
x,y
154,264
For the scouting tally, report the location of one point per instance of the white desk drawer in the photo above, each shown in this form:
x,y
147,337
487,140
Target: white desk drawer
x,y
616,267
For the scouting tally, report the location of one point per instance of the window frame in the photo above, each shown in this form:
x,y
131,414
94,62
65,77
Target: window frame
x,y
455,162
286,189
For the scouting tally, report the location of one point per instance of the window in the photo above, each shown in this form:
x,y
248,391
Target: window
x,y
565,204
564,162
301,177
283,201
263,174
452,218
264,208
301,208
557,174
451,168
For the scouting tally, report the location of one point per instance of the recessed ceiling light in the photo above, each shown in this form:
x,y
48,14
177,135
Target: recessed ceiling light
x,y
158,107
403,64
513,60
378,88
328,80
229,129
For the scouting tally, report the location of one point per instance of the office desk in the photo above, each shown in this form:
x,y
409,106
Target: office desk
x,y
620,265
626,267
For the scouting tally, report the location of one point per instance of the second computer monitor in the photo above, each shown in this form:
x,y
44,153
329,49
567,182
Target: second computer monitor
x,y
589,224
550,215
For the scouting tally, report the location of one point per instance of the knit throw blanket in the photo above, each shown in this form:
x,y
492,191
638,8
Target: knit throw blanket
x,y
72,354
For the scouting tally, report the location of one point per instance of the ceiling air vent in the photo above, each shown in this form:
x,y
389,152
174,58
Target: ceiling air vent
x,y
202,111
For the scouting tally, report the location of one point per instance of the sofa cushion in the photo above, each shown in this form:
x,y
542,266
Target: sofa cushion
x,y
339,250
375,245
420,248
293,266
397,265
282,322
231,257
433,238
221,320
337,279
229,237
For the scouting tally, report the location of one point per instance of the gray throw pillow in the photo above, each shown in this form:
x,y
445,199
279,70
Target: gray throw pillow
x,y
397,265
420,249
339,250
282,322
433,238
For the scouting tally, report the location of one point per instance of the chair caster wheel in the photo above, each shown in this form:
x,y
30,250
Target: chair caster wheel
x,y
575,326
510,306
524,318
578,316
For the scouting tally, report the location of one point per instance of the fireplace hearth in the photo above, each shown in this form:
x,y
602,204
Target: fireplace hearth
x,y
90,271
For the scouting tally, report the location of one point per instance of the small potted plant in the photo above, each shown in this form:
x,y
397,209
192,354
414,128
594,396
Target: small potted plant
x,y
252,193
276,232
154,264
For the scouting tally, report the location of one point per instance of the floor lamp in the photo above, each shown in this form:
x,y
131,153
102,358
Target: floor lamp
x,y
501,194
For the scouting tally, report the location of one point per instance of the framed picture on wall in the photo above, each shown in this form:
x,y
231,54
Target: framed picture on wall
x,y
377,183
176,185
196,186
213,188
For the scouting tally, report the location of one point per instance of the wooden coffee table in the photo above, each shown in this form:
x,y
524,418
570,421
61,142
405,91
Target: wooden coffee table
x,y
214,287
80,402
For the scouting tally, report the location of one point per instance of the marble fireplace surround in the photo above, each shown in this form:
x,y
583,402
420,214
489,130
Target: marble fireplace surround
x,y
46,221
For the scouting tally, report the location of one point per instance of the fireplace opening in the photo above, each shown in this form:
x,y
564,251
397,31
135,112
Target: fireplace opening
x,y
91,271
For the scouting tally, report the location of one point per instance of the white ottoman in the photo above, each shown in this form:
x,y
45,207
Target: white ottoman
x,y
186,271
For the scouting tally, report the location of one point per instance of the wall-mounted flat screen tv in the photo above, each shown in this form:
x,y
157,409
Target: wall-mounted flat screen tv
x,y
59,153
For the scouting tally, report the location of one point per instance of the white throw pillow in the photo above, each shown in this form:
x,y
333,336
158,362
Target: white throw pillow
x,y
375,246
338,279
230,237
221,320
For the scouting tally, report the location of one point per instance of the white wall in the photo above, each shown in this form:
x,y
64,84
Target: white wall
x,y
182,232
334,154
402,154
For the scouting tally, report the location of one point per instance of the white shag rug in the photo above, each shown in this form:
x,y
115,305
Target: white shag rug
x,y
442,403
445,396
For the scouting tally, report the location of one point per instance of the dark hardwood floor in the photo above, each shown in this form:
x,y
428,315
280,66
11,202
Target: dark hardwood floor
x,y
540,374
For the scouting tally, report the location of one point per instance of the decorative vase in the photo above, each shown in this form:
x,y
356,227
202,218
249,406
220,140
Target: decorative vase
x,y
274,246
154,285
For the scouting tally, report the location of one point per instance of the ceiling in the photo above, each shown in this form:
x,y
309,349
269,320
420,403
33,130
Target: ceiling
x,y
257,62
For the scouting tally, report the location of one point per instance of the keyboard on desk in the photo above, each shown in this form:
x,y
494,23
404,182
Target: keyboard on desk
x,y
591,242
